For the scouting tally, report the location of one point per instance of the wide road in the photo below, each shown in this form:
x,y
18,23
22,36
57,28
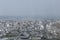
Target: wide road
x,y
3,39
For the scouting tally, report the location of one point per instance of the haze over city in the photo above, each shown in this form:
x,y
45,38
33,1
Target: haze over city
x,y
42,8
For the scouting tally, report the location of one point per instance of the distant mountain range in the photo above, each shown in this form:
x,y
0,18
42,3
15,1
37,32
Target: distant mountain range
x,y
28,17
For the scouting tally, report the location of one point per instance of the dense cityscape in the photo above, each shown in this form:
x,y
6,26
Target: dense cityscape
x,y
29,29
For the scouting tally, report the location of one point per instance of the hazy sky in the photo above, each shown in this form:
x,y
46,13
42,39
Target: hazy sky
x,y
30,7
